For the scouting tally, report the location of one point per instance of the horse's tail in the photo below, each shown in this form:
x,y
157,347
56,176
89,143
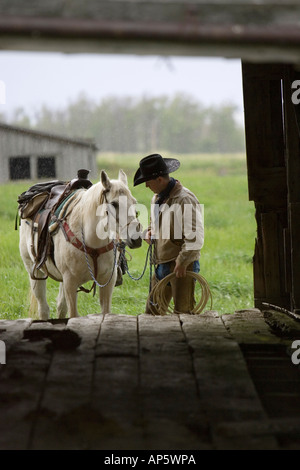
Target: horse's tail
x,y
33,305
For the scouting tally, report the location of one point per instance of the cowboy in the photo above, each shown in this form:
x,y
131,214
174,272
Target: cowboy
x,y
176,230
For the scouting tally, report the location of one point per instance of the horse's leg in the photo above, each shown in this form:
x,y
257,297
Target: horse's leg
x,y
62,307
105,294
38,288
70,291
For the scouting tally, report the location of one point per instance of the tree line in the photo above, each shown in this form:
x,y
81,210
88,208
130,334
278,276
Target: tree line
x,y
178,124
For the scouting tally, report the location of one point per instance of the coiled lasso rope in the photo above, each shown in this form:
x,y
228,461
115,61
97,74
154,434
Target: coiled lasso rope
x,y
157,297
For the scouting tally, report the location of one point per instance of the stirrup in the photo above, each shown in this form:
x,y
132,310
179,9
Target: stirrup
x,y
33,276
119,280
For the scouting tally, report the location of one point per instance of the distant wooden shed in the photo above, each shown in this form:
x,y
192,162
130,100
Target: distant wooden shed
x,y
264,34
31,154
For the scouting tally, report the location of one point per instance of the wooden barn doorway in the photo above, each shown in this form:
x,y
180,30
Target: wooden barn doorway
x,y
247,30
273,149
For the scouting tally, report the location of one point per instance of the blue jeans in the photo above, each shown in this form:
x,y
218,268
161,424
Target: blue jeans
x,y
162,270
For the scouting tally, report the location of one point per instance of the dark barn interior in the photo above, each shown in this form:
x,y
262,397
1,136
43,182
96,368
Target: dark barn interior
x,y
175,382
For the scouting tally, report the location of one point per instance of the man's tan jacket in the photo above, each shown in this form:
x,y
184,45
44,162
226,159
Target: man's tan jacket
x,y
178,228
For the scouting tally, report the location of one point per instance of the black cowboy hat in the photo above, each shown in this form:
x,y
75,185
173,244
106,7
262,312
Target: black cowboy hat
x,y
153,166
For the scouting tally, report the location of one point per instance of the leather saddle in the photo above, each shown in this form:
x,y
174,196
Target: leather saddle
x,y
39,204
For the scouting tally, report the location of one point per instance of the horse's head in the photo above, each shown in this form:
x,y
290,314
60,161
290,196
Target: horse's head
x,y
121,209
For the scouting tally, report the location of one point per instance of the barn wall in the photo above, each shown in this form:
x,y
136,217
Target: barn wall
x,y
69,156
273,159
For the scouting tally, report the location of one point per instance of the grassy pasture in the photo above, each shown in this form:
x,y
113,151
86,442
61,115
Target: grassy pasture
x,y
220,183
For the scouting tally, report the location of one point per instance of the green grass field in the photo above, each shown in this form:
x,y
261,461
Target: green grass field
x,y
219,182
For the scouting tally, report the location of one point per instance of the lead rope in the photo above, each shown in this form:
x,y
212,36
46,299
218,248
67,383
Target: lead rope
x,y
123,260
157,298
148,255
161,303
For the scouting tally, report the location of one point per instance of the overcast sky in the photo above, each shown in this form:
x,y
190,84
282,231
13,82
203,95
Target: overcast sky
x,y
55,79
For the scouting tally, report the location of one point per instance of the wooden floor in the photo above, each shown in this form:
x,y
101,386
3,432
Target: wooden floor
x,y
142,382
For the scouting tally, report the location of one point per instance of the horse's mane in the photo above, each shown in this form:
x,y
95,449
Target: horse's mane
x,y
86,201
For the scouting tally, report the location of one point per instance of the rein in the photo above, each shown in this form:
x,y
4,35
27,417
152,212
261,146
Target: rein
x,y
125,264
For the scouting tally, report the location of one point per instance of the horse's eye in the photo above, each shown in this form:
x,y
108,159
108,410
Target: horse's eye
x,y
115,204
137,213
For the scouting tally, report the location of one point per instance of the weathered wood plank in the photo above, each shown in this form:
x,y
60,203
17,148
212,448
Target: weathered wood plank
x,y
225,389
21,382
263,31
118,336
169,394
173,382
64,414
271,258
293,178
267,185
115,393
264,131
258,261
261,71
88,329
238,11
272,273
294,221
267,178
11,331
285,325
287,261
258,273
21,387
249,326
279,426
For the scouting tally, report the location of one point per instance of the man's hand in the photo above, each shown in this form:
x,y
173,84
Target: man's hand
x,y
148,237
180,270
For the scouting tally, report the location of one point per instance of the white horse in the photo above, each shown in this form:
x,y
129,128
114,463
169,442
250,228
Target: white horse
x,y
70,265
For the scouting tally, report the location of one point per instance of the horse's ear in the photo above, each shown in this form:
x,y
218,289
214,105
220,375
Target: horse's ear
x,y
105,180
123,177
